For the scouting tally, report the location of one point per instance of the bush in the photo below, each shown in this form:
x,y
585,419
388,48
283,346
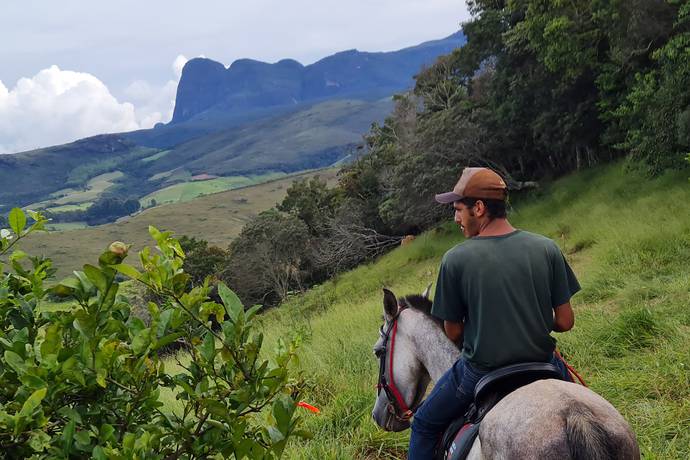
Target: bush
x,y
83,378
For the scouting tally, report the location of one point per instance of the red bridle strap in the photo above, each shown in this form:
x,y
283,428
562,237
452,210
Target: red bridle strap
x,y
401,402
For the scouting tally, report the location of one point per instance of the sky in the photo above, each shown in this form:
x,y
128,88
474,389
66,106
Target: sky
x,y
76,68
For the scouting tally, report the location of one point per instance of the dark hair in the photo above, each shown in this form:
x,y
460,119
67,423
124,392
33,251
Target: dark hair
x,y
496,208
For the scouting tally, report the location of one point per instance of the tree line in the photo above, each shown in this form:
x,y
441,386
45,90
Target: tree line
x,y
539,90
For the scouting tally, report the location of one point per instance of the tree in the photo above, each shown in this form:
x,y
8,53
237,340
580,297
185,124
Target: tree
x,y
202,260
657,109
271,257
312,201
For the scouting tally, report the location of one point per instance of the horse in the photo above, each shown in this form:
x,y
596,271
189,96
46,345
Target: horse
x,y
546,419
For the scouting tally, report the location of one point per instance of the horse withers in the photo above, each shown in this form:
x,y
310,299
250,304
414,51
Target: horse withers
x,y
545,419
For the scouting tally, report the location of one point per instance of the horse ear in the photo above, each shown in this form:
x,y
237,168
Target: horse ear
x,y
390,304
427,291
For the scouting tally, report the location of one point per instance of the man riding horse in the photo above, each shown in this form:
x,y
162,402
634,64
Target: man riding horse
x,y
500,294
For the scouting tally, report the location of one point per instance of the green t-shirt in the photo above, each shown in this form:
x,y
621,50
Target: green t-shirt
x,y
504,288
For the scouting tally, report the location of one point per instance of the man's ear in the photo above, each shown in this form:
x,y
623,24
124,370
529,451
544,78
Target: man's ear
x,y
390,304
480,207
427,291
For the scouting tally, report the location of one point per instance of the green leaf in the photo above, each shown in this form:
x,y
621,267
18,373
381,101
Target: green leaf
x,y
18,255
17,220
215,408
208,347
55,307
142,339
52,341
163,321
98,453
96,277
68,437
233,304
32,402
39,441
128,271
106,432
86,285
84,323
71,283
253,311
166,340
83,438
15,361
283,408
128,441
101,374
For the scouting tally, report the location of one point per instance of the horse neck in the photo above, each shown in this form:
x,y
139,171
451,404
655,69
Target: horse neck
x,y
430,344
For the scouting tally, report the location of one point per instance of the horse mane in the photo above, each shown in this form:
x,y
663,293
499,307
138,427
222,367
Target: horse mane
x,y
420,303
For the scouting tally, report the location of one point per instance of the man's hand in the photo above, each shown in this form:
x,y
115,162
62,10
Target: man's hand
x,y
563,318
454,331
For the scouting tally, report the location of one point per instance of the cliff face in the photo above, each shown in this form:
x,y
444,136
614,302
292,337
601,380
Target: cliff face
x,y
207,86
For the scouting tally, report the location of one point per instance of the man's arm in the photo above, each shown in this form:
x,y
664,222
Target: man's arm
x,y
563,318
454,331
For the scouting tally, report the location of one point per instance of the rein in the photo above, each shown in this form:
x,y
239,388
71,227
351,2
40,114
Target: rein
x,y
396,403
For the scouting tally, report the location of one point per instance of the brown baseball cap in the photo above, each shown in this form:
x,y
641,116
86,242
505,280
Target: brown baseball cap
x,y
476,183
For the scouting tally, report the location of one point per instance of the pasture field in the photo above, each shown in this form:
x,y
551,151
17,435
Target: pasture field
x,y
71,199
155,156
217,218
186,191
627,238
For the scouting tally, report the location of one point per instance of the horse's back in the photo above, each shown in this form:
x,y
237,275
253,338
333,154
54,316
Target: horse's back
x,y
552,419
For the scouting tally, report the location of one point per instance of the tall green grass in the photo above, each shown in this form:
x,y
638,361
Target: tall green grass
x,y
628,239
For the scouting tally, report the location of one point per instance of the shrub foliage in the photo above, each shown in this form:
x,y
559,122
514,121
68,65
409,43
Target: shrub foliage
x,y
82,378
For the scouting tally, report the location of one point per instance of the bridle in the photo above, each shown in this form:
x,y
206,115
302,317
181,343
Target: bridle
x,y
396,403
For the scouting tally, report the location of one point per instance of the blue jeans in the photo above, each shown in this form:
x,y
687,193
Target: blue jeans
x,y
449,399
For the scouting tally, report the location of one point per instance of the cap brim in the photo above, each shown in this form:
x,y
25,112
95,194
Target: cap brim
x,y
449,197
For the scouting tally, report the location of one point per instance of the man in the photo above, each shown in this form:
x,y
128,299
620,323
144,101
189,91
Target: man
x,y
500,293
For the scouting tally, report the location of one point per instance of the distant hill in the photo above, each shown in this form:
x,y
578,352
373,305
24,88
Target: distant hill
x,y
207,86
252,118
217,218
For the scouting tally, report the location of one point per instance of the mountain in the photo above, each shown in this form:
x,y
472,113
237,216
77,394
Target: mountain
x,y
207,86
249,119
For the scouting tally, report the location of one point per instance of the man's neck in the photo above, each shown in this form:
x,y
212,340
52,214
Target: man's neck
x,y
496,227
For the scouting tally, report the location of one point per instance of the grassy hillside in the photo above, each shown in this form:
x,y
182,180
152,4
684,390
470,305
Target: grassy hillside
x,y
186,191
76,174
312,137
628,240
217,218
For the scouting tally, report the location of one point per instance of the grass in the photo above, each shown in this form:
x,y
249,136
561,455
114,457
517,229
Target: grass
x,y
186,191
70,199
628,239
217,218
71,207
155,156
65,226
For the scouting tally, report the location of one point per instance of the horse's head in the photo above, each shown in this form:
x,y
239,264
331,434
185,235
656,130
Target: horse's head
x,y
402,377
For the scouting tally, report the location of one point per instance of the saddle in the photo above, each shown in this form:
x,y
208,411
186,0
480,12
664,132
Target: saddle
x,y
459,437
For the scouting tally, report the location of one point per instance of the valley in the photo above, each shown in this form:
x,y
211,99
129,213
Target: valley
x,y
216,218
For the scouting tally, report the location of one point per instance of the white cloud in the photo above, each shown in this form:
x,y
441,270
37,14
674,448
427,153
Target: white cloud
x,y
155,104
56,106
178,64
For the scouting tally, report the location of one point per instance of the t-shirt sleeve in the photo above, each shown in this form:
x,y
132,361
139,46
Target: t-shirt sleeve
x,y
564,284
448,304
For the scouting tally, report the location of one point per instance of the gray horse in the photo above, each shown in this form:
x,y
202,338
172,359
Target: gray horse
x,y
547,419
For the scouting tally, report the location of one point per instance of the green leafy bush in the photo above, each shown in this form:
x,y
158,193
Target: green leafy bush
x,y
82,378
